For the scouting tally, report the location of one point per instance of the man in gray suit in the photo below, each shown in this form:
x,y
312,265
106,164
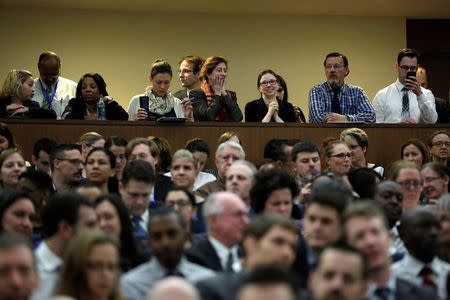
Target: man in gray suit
x,y
188,73
366,229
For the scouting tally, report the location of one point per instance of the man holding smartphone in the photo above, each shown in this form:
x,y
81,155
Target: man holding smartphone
x,y
405,101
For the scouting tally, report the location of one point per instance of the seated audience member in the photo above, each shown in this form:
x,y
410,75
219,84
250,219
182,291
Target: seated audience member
x,y
420,231
114,219
340,273
414,150
100,164
269,239
358,141
212,102
135,189
63,216
166,237
405,101
117,145
266,283
335,101
338,157
280,152
91,268
229,136
439,147
17,212
165,154
158,100
18,267
274,191
15,98
226,216
364,182
173,288
435,179
282,94
89,190
6,138
188,73
183,169
268,108
240,178
226,154
443,210
407,175
147,150
41,155
200,149
366,229
89,141
442,105
66,166
12,165
52,90
91,89
389,197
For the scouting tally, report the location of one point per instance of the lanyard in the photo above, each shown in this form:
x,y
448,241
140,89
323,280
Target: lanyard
x,y
48,98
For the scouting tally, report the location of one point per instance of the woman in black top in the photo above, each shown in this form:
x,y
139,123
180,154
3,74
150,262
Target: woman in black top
x,y
15,98
268,108
90,88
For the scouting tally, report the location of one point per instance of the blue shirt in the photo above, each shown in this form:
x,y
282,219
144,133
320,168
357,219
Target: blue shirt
x,y
353,102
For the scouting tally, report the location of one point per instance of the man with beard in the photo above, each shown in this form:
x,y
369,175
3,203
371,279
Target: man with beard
x,y
335,101
389,196
366,229
420,231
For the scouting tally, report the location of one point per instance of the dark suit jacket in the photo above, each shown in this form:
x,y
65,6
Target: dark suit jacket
x,y
256,110
204,113
406,290
181,94
443,110
162,186
204,254
223,286
76,109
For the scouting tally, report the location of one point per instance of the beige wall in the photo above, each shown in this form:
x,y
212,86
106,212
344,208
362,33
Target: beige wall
x,y
121,46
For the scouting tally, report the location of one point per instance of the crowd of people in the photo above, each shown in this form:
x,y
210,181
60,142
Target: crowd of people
x,y
106,218
205,95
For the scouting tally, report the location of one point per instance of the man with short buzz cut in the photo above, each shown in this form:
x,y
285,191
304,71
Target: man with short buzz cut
x,y
366,229
40,158
307,166
188,73
240,178
52,90
18,272
66,166
405,101
335,101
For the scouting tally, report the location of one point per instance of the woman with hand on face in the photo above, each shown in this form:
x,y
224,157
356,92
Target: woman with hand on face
x,y
90,89
159,101
268,108
15,98
212,102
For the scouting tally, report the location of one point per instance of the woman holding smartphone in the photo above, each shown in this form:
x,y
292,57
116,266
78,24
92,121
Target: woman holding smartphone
x,y
157,101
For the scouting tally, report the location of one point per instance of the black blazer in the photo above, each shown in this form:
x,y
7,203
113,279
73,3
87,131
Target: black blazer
x,y
34,111
256,110
406,290
204,113
204,254
181,94
162,185
76,109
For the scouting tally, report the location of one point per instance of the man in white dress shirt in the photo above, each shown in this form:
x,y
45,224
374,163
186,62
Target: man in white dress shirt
x,y
405,101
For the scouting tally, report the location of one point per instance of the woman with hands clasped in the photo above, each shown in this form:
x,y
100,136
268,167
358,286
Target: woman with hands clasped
x,y
213,102
268,108
157,101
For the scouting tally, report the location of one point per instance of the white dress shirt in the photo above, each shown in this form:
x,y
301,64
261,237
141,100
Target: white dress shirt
x,y
391,284
223,253
388,105
49,265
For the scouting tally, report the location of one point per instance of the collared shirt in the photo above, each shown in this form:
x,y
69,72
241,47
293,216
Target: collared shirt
x,y
397,248
353,102
136,283
223,253
409,268
388,105
47,261
390,286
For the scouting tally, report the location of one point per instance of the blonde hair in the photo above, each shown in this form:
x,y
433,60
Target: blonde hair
x,y
12,86
89,138
358,134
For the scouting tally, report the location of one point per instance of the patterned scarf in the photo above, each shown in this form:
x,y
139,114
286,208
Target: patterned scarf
x,y
206,88
159,105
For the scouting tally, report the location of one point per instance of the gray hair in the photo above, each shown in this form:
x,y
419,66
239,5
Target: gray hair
x,y
247,164
231,144
212,206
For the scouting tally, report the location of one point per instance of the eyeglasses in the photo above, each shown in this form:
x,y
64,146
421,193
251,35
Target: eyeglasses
x,y
408,68
237,214
329,67
185,71
430,179
410,184
440,144
342,155
180,203
266,83
354,146
74,161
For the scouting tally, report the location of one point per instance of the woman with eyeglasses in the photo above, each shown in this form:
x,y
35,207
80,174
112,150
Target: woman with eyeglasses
x,y
268,108
338,157
407,175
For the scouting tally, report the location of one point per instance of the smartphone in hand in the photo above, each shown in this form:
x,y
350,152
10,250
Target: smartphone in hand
x,y
143,103
411,75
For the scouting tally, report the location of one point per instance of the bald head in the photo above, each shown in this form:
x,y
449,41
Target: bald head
x,y
173,288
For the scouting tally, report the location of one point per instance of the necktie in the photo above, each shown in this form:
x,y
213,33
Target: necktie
x,y
382,293
427,277
229,263
139,232
45,103
335,106
174,273
405,104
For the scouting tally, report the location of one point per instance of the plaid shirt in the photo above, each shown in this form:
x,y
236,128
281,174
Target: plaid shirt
x,y
352,100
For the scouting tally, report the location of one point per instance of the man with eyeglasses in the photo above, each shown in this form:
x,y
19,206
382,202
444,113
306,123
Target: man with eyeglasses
x,y
188,74
405,101
66,166
334,101
439,147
